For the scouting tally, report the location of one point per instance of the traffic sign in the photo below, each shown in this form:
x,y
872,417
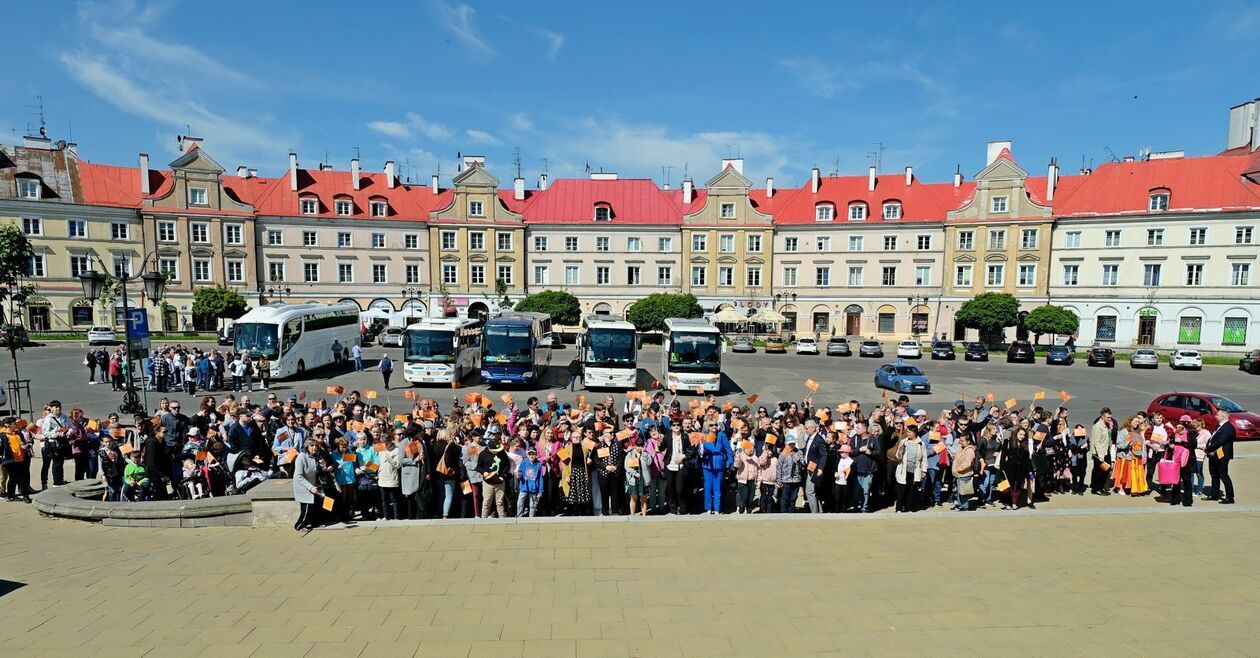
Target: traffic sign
x,y
138,318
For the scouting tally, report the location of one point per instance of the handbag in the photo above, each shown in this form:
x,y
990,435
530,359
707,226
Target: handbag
x,y
967,486
1168,472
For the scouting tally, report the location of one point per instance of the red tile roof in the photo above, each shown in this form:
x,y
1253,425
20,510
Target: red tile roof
x,y
406,202
572,201
110,185
1211,183
919,202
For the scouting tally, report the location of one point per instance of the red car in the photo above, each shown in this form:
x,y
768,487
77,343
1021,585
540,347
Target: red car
x,y
1205,405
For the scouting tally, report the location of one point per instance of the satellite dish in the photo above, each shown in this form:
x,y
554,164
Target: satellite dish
x,y
60,144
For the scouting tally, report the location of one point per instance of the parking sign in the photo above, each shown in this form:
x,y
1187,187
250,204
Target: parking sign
x,y
138,318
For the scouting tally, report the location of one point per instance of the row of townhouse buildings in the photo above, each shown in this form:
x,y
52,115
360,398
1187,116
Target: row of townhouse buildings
x,y
1158,250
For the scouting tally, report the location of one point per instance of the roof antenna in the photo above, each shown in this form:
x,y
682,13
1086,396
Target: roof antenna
x,y
546,166
1111,153
666,170
588,167
516,160
356,153
836,171
39,111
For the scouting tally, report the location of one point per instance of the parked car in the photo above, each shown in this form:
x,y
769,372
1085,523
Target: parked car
x,y
1020,350
943,349
1185,359
391,337
1205,405
902,378
806,345
976,352
776,345
1060,355
743,344
1101,356
871,348
909,349
1144,359
101,335
838,346
1250,362
15,333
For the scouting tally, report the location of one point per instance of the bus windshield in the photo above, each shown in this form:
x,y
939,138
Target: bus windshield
x,y
256,338
609,348
694,351
508,344
429,346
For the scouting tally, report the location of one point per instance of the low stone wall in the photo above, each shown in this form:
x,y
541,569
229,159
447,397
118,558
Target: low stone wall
x,y
269,504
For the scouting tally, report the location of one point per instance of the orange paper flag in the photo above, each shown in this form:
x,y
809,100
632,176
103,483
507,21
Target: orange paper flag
x,y
369,394
938,448
746,445
632,462
625,434
335,390
506,397
811,385
1080,431
501,418
290,455
934,436
471,398
466,487
588,445
1064,396
328,504
726,407
409,394
348,457
372,466
1039,436
696,438
118,432
737,424
1010,404
126,449
1039,395
402,418
602,453
772,439
1003,485
380,446
93,426
202,455
752,399
476,419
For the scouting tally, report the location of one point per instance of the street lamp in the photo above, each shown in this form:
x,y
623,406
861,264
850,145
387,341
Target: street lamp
x,y
154,282
784,296
411,295
914,301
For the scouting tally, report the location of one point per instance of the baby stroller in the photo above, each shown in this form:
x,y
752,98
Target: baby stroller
x,y
245,474
195,484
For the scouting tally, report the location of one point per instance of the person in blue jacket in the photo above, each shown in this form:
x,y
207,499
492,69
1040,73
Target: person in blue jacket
x,y
530,476
715,456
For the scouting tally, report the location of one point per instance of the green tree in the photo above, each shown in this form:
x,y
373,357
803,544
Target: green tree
x,y
219,301
1051,319
563,307
649,313
15,262
989,312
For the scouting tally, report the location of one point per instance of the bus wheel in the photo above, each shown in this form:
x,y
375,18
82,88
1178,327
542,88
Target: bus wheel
x,y
301,367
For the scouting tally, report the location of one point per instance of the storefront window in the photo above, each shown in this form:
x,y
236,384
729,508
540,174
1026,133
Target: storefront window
x,y
1235,331
1106,327
887,322
1190,328
81,315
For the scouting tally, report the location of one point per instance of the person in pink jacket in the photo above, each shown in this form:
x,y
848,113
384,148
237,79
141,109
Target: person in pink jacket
x,y
746,469
768,478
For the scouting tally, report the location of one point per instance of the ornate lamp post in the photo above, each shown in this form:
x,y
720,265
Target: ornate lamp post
x,y
154,287
915,301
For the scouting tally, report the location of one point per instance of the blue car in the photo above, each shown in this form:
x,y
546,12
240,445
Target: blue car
x,y
902,379
1059,355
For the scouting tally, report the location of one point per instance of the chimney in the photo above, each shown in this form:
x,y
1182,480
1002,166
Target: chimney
x,y
957,176
242,172
1128,158
434,184
870,179
542,182
815,180
292,171
687,191
769,187
253,173
518,188
188,143
737,163
354,173
72,149
39,141
1052,178
144,173
389,174
909,176
471,161
1244,126
994,149
602,175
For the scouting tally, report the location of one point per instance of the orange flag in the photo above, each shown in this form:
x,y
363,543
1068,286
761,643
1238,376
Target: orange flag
x,y
1039,395
369,394
335,390
1010,404
811,385
752,399
1064,396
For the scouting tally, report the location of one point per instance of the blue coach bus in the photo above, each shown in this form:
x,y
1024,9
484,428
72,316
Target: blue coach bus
x,y
515,348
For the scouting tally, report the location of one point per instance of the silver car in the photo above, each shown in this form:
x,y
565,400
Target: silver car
x,y
391,337
1144,359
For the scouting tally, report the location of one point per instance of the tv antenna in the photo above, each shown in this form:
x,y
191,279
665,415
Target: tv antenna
x,y
38,108
666,171
836,170
357,156
516,160
546,166
1112,153
877,156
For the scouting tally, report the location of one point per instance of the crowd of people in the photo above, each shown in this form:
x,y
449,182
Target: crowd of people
x,y
181,369
351,457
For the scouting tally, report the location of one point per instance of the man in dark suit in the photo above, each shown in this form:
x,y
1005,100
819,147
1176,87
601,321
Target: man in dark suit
x,y
816,450
1220,451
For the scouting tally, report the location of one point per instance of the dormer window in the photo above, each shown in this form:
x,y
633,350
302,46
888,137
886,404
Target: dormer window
x,y
197,196
309,206
892,210
726,211
1158,201
379,208
824,212
998,204
857,212
603,212
476,209
344,207
28,188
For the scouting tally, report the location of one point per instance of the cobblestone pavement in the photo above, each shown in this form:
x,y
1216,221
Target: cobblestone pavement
x,y
1076,576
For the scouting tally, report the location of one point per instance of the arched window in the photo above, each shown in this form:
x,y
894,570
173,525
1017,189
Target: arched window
x,y
378,206
603,211
857,212
1158,200
824,212
892,209
308,205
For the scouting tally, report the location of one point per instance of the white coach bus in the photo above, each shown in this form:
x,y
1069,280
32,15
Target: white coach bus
x,y
441,350
693,355
296,337
609,353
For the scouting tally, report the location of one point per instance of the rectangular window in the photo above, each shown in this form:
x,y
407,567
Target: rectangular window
x,y
32,226
994,275
504,273
822,244
308,206
119,231
1072,240
343,207
726,243
664,245
476,241
857,212
572,275
1071,275
540,243
1242,235
890,243
310,239
603,213
476,209
1028,238
634,244
448,240
570,243
791,244
603,275
411,241
1194,274
699,275
275,271
169,267
201,270
503,241
275,238
887,323
634,275
1158,203
1240,274
601,243
726,276
1106,328
925,243
1189,329
345,272
1154,237
197,196
122,266
664,275
379,208
411,273
310,272
997,239
76,228
477,275
450,274
888,276
1111,239
824,212
892,211
922,275
1198,236
1150,274
235,271
542,275
727,211
789,276
1110,274
378,240
962,276
752,277
699,242
379,273
343,239
998,204
79,265
754,243
1235,331
1027,276
28,188
35,268
232,234
822,276
966,240
856,274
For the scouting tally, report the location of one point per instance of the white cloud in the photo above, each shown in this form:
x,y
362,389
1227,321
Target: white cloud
x,y
827,79
414,125
457,19
519,121
391,128
553,39
481,137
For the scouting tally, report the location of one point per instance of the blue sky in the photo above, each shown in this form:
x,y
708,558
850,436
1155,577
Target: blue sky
x,y
633,87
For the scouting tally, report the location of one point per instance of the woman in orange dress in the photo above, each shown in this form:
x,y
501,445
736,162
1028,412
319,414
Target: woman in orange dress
x,y
1130,467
